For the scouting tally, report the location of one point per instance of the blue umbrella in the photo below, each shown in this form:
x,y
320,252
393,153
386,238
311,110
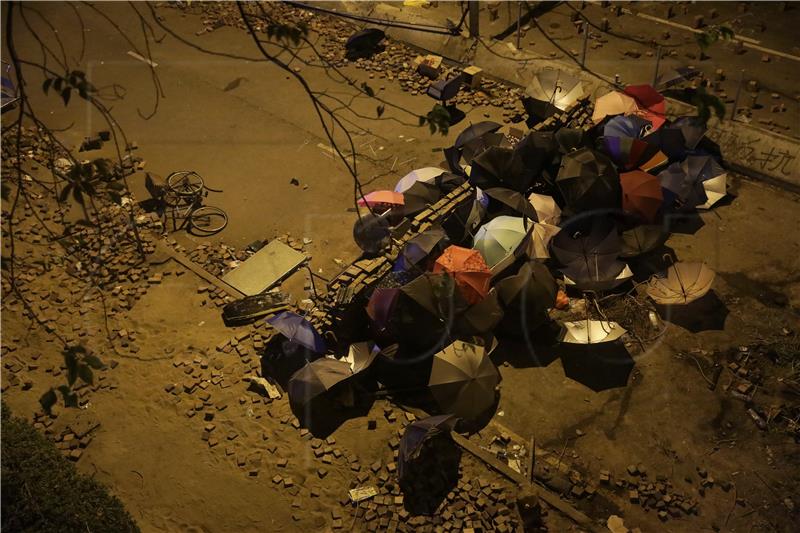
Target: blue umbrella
x,y
625,126
298,330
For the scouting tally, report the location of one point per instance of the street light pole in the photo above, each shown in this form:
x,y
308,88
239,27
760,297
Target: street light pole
x,y
474,17
519,22
585,42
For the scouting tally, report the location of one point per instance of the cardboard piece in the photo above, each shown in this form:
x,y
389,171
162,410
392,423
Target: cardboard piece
x,y
265,268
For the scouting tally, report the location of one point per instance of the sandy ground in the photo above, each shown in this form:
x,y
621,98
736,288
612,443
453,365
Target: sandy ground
x,y
249,141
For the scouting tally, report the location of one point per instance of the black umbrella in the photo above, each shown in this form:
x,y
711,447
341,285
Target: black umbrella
x,y
539,109
526,297
502,167
419,196
463,221
448,181
581,239
508,202
589,180
417,433
593,355
315,379
372,233
642,239
474,132
422,246
364,42
480,318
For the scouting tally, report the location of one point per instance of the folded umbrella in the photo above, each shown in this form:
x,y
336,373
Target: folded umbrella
x,y
684,283
592,355
298,330
500,239
463,379
389,198
469,270
641,194
526,298
546,208
650,103
588,180
509,202
556,87
425,175
613,103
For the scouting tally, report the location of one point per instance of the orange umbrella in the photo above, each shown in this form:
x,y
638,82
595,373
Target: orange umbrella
x,y
468,268
650,103
382,197
641,194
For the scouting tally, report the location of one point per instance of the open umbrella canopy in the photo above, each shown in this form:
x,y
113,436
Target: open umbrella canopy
x,y
591,356
683,283
462,223
697,181
389,198
463,379
502,167
380,307
526,297
475,131
613,103
419,196
546,208
477,146
692,129
629,153
672,77
594,240
468,268
421,247
556,87
360,356
480,318
641,194
669,141
588,180
539,244
509,202
595,274
425,175
298,330
650,103
500,238
642,239
626,126
417,433
315,379
372,233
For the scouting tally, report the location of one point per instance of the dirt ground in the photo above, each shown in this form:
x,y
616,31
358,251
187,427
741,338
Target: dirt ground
x,y
248,130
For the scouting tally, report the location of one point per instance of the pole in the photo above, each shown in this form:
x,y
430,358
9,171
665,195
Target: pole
x,y
738,93
474,18
519,22
658,61
585,42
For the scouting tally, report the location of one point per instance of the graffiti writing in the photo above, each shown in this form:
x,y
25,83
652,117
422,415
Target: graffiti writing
x,y
750,152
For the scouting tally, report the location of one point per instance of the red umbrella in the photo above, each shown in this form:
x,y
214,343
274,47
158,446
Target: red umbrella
x,y
468,268
650,102
641,194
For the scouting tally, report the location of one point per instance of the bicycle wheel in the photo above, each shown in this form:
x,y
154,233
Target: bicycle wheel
x,y
186,183
207,220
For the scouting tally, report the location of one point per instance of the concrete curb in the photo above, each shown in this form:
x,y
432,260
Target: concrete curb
x,y
754,152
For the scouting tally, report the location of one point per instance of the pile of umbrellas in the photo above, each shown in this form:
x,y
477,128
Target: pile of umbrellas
x,y
551,213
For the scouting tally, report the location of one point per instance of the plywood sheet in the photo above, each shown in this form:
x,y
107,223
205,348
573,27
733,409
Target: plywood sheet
x,y
265,268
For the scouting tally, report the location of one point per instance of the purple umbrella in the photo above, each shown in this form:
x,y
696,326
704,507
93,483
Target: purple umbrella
x,y
625,126
298,330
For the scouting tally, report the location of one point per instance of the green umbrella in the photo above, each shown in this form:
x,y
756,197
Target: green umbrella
x,y
500,238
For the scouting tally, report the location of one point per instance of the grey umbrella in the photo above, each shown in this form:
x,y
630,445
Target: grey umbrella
x,y
315,379
463,379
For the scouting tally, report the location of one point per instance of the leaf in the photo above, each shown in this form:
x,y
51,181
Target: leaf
x,y
58,83
86,374
93,361
48,400
380,110
71,400
77,195
367,89
65,193
71,360
82,92
422,120
46,85
65,94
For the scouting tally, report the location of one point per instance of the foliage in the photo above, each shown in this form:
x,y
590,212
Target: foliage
x,y
705,104
438,119
64,85
79,363
43,492
287,32
712,35
83,178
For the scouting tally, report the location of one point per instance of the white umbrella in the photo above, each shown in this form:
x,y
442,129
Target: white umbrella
x,y
499,239
546,208
425,175
555,86
592,332
539,246
613,103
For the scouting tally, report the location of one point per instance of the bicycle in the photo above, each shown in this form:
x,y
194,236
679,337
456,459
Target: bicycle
x,y
183,196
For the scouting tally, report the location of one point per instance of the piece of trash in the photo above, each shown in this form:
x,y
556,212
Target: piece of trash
x,y
500,413
616,525
142,59
294,181
306,240
338,261
653,319
359,494
262,385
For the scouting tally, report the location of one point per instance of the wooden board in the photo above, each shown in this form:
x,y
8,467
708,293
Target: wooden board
x,y
265,268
